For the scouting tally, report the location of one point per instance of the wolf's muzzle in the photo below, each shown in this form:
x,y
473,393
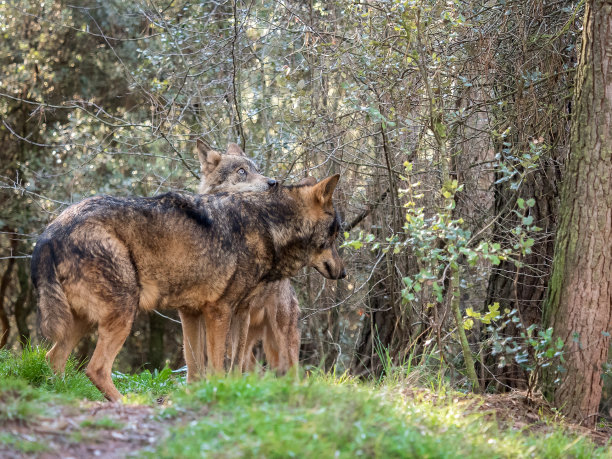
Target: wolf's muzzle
x,y
334,275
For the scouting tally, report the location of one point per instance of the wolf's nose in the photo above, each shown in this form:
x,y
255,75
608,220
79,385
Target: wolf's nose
x,y
272,182
342,274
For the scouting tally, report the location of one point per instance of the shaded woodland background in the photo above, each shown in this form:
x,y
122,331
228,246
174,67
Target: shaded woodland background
x,y
448,121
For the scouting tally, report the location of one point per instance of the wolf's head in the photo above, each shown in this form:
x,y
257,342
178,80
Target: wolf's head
x,y
323,219
229,172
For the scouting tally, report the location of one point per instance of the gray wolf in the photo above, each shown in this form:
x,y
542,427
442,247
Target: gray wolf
x,y
105,258
275,309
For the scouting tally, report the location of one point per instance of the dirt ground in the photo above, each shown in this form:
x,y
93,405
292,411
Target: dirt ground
x,y
93,429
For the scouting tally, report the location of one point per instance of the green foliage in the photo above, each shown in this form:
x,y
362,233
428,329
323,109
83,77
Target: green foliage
x,y
322,417
152,385
438,240
102,423
534,349
492,314
22,445
32,367
19,401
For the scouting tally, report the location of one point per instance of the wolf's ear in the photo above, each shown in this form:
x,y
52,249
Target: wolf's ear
x,y
309,181
209,158
233,149
324,190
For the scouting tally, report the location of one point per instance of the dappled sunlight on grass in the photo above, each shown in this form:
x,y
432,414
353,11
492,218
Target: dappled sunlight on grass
x,y
305,415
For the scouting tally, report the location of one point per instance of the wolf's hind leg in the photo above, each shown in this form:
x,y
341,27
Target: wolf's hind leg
x,y
239,335
250,362
58,355
273,347
111,336
194,344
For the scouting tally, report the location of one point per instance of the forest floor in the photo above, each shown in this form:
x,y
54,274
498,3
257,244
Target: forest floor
x,y
263,416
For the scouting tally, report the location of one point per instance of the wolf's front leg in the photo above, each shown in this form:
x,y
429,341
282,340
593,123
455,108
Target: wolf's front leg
x,y
194,343
217,319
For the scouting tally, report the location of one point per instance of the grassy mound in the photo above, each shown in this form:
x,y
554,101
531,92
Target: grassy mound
x,y
264,416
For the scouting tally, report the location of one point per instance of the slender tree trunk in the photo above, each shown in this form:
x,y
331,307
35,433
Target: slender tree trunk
x,y
4,283
465,346
22,305
579,305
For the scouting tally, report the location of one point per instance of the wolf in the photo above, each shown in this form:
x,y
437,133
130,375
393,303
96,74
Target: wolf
x,y
105,258
275,310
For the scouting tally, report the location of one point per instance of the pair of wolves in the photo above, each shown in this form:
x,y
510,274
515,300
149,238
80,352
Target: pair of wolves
x,y
275,308
209,256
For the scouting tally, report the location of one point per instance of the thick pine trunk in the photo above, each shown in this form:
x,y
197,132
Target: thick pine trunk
x,y
579,305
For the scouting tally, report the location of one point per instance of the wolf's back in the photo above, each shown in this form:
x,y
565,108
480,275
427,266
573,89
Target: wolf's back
x,y
54,309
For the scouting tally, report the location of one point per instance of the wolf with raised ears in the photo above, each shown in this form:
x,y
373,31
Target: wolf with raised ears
x,y
105,258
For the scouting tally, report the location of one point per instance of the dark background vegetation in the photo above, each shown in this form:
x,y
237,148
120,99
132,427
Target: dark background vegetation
x,y
448,122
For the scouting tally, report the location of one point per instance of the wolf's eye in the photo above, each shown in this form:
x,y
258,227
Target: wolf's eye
x,y
241,172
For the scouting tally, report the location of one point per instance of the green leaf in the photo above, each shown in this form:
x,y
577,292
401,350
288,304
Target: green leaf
x,y
356,244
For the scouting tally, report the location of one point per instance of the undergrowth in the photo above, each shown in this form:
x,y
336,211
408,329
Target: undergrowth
x,y
32,367
321,415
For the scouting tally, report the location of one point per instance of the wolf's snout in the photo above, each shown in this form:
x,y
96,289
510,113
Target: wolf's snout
x,y
333,271
272,182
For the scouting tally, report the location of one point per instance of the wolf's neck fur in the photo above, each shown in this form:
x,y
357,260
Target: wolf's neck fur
x,y
280,217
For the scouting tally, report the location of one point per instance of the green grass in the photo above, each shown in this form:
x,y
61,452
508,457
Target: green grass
x,y
320,416
32,367
317,417
102,423
19,401
22,445
147,386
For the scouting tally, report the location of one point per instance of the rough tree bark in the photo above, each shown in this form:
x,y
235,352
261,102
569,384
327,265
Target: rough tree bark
x,y
23,306
579,304
4,283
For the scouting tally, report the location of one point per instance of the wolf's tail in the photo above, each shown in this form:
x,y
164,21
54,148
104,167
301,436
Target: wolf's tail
x,y
55,315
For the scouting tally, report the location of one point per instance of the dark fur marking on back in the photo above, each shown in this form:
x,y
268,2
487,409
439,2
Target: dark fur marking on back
x,y
192,210
200,217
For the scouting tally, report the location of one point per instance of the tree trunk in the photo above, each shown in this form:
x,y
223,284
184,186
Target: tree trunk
x,y
579,305
4,283
23,307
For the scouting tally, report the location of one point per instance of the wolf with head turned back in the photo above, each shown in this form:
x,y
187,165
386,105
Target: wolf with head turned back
x,y
105,258
275,308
